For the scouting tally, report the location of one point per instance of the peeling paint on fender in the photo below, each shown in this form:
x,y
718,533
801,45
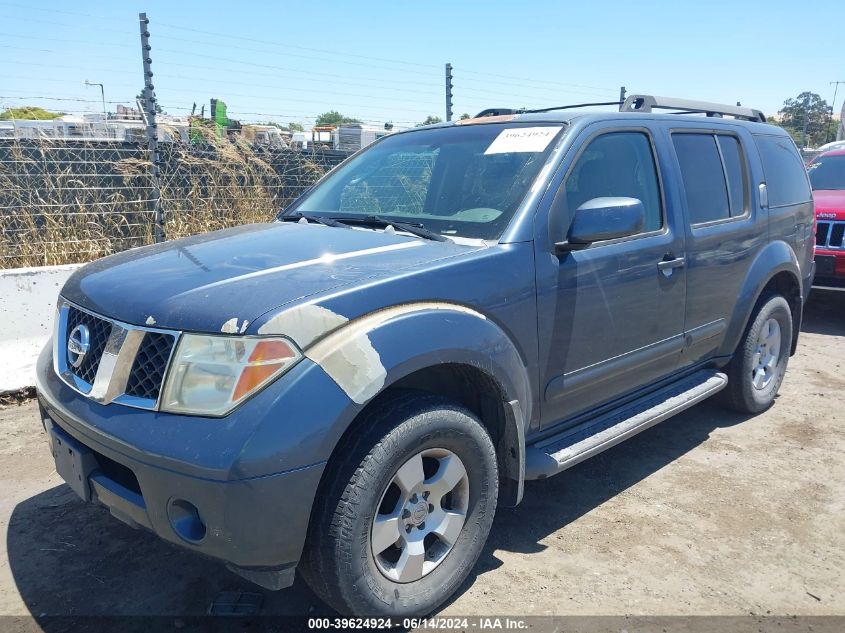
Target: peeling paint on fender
x,y
304,324
354,364
347,355
230,326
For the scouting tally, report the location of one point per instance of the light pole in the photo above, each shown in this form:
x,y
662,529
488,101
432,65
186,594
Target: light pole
x,y
102,93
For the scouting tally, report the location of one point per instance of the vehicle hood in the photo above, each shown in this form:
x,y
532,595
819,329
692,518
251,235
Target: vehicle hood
x,y
224,280
830,204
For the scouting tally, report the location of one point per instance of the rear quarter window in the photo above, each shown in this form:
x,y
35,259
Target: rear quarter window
x,y
786,176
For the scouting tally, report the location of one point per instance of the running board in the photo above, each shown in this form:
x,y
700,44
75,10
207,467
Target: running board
x,y
564,450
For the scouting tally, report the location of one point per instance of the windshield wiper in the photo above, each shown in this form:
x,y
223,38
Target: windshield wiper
x,y
314,218
375,220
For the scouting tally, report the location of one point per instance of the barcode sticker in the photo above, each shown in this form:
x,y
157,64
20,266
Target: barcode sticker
x,y
522,139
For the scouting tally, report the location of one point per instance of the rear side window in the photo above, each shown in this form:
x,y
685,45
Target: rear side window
x,y
714,175
786,177
734,173
704,179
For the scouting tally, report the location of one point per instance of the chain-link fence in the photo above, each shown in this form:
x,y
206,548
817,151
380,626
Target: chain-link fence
x,y
66,201
101,176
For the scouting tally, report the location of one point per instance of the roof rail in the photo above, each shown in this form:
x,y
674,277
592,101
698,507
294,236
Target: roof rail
x,y
501,111
647,103
495,112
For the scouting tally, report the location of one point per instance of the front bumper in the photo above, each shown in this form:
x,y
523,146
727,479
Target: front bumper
x,y
257,524
830,269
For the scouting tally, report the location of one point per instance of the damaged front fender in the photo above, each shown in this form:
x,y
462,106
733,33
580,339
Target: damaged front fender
x,y
365,356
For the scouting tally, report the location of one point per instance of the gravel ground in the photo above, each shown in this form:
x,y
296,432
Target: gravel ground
x,y
710,513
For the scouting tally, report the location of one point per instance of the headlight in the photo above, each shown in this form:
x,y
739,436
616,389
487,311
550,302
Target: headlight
x,y
211,375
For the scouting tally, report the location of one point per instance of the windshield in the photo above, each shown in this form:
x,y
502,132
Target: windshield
x,y
465,181
828,172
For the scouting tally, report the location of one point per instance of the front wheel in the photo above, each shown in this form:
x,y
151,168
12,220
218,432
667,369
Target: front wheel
x,y
757,369
405,511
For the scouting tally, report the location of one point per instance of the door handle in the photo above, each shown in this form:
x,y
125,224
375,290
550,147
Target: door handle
x,y
666,266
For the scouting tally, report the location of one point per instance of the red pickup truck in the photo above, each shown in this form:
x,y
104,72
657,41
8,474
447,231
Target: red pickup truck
x,y
827,176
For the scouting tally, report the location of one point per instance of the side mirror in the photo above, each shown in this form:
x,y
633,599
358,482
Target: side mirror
x,y
603,219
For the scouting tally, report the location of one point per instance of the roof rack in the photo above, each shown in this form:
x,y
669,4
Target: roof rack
x,y
647,103
501,111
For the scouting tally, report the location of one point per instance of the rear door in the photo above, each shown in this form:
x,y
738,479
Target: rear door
x,y
610,316
725,229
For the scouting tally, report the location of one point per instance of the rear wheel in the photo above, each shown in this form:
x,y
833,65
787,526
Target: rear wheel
x,y
405,512
757,369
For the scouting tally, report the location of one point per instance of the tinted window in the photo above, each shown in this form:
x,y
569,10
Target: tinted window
x,y
828,172
734,172
617,164
786,178
703,176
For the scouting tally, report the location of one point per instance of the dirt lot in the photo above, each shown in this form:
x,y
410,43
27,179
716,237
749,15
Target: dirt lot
x,y
708,513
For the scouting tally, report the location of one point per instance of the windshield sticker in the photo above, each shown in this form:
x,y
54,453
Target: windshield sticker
x,y
522,139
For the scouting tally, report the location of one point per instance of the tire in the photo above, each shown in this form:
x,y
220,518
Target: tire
x,y
361,489
750,389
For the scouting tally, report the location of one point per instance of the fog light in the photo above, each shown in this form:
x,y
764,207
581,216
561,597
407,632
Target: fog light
x,y
185,520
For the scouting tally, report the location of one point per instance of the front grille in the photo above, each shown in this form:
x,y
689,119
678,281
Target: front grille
x,y
836,234
830,234
822,229
99,331
139,358
147,374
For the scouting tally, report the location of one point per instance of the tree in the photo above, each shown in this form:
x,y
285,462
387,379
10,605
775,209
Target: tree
x,y
429,120
465,116
28,112
295,127
333,117
805,118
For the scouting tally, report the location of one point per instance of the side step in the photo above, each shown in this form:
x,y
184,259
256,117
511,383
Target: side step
x,y
564,450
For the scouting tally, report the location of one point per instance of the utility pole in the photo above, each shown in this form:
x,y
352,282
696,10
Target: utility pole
x,y
102,93
835,85
840,131
448,92
149,113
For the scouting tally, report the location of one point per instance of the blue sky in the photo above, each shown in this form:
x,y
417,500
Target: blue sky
x,y
384,61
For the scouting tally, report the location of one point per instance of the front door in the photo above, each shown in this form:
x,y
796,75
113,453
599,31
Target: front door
x,y
611,316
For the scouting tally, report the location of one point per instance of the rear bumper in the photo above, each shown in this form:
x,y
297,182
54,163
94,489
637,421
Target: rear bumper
x,y
257,525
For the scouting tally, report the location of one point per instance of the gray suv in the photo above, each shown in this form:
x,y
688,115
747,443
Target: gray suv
x,y
351,390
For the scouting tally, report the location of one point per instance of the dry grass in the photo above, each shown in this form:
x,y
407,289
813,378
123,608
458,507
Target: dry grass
x,y
67,205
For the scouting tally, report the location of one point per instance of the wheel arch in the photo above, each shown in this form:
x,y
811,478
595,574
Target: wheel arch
x,y
448,351
774,270
480,393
